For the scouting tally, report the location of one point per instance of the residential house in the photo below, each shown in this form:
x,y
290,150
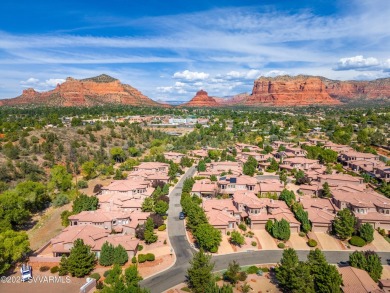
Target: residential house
x,y
368,207
204,188
153,166
230,184
340,179
92,235
357,281
257,211
321,213
113,221
217,168
173,156
300,163
270,187
128,187
243,146
222,214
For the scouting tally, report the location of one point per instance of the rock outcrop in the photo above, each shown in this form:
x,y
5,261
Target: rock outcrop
x,y
352,89
99,90
201,99
289,91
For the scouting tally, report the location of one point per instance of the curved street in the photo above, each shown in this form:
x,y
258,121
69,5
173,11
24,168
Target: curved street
x,y
183,249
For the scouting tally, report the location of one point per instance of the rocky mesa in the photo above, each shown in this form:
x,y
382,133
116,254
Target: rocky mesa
x,y
201,99
99,90
289,91
353,89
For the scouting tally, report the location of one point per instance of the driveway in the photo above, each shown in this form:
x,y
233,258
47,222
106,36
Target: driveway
x,y
225,246
266,241
297,242
328,242
380,243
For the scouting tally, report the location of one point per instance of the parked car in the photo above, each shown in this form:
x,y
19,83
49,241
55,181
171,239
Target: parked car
x,y
181,216
343,263
26,272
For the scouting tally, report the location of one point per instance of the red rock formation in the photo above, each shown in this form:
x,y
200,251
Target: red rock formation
x,y
352,89
99,90
201,99
289,91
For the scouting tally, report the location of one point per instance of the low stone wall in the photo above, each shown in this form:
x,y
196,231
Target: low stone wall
x,y
41,260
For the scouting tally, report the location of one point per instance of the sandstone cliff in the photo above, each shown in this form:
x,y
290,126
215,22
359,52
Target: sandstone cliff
x,y
289,91
100,90
352,89
201,99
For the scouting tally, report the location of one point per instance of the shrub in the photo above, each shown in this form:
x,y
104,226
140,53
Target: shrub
x,y
185,289
99,285
228,233
141,258
382,231
165,217
105,274
357,241
281,245
302,234
252,270
82,184
214,249
150,257
312,243
265,270
140,247
133,259
95,276
165,241
44,269
54,270
162,227
242,226
60,200
242,276
218,278
254,243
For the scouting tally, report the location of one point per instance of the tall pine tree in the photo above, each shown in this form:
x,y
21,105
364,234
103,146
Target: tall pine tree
x,y
199,275
106,254
80,261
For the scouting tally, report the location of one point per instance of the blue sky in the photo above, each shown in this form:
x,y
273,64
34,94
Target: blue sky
x,y
171,49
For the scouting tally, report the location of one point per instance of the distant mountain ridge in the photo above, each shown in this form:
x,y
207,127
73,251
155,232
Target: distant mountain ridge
x,y
300,90
98,90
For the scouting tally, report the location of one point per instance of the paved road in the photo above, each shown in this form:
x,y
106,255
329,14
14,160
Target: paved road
x,y
176,231
178,239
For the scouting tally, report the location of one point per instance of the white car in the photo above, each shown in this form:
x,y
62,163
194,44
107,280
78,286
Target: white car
x,y
26,272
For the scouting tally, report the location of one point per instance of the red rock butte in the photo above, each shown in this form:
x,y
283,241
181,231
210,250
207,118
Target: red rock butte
x,y
201,99
99,90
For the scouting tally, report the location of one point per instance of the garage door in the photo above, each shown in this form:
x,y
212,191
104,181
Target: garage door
x,y
320,229
257,226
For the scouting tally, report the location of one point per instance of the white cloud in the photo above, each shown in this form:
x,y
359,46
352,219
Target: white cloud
x,y
42,85
191,75
165,89
54,81
357,63
274,73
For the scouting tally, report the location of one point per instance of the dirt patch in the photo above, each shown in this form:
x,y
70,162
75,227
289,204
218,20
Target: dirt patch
x,y
48,226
